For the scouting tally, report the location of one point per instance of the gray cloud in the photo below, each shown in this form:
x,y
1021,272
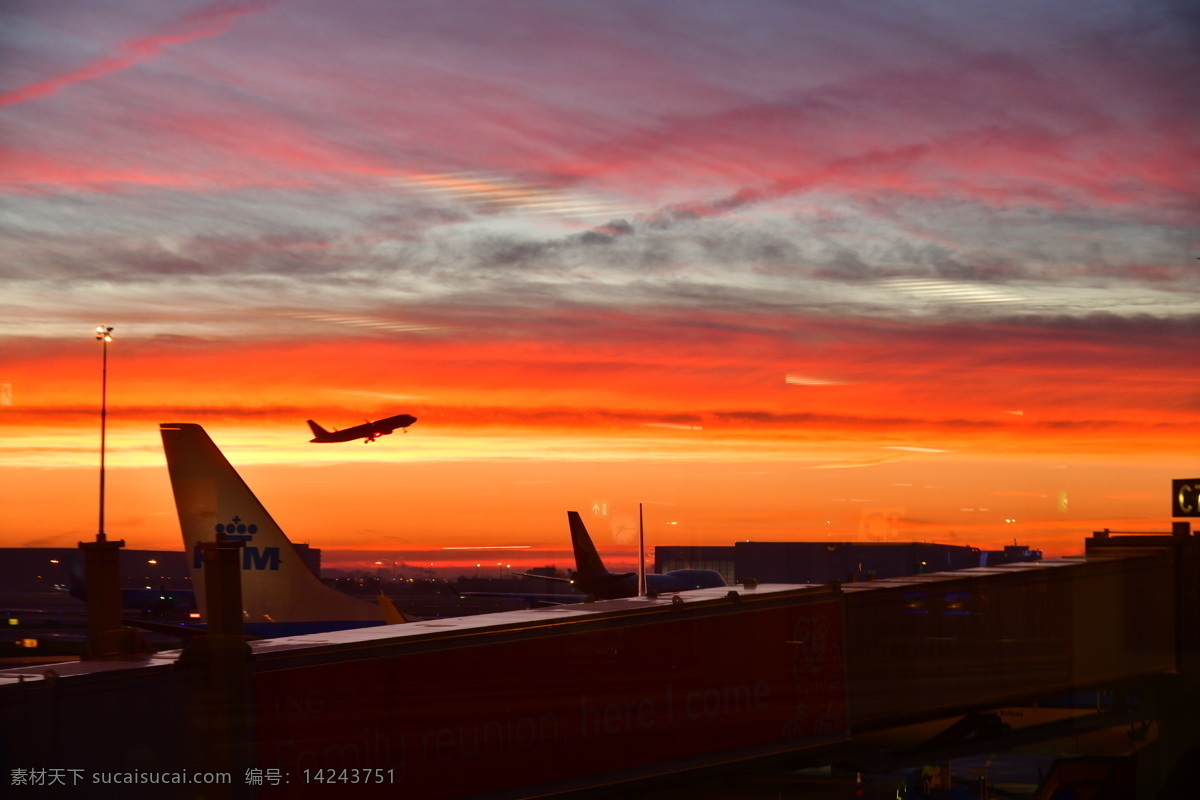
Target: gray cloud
x,y
1004,149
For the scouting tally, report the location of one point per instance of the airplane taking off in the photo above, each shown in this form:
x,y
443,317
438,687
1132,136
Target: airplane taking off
x,y
370,431
281,596
592,578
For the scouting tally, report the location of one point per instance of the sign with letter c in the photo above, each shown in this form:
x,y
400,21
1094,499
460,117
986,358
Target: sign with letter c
x,y
1185,498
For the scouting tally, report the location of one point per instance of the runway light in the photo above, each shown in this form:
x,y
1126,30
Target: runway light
x,y
14,621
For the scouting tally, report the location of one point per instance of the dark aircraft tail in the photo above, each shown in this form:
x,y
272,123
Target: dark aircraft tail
x,y
317,430
587,560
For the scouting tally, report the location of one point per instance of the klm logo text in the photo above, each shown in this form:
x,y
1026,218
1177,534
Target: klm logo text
x,y
252,557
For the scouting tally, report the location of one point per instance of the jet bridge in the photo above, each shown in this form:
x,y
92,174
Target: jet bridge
x,y
544,701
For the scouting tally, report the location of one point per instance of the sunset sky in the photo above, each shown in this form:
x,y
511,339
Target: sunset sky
x,y
842,271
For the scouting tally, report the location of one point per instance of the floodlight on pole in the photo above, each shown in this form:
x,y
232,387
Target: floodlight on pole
x,y
104,335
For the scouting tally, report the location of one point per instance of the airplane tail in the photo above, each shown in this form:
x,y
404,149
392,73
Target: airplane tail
x,y
280,594
317,430
75,585
587,560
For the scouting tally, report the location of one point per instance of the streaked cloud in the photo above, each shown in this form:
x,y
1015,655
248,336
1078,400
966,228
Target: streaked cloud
x,y
211,20
800,380
572,231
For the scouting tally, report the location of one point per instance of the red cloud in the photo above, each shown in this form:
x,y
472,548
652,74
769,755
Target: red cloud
x,y
210,21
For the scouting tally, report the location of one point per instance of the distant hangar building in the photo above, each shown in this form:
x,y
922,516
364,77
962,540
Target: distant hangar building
x,y
821,562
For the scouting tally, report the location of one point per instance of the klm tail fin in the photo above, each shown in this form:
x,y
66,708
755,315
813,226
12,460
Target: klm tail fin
x,y
317,430
587,560
279,592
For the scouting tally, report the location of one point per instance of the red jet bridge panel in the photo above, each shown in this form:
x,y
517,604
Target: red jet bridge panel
x,y
559,706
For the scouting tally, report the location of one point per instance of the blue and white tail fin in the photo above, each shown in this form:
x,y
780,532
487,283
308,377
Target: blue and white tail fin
x,y
280,594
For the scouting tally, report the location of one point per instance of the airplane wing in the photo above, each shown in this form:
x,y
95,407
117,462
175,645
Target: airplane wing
x,y
391,614
179,630
534,599
543,577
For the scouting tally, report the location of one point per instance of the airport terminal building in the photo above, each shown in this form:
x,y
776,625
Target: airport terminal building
x,y
821,562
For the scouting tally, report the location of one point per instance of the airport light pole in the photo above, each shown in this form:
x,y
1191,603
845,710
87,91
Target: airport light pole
x,y
104,335
641,554
107,635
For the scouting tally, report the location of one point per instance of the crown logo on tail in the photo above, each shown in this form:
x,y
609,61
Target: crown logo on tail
x,y
237,530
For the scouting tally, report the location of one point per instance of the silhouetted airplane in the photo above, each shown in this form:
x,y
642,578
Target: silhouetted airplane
x,y
368,430
281,596
593,579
